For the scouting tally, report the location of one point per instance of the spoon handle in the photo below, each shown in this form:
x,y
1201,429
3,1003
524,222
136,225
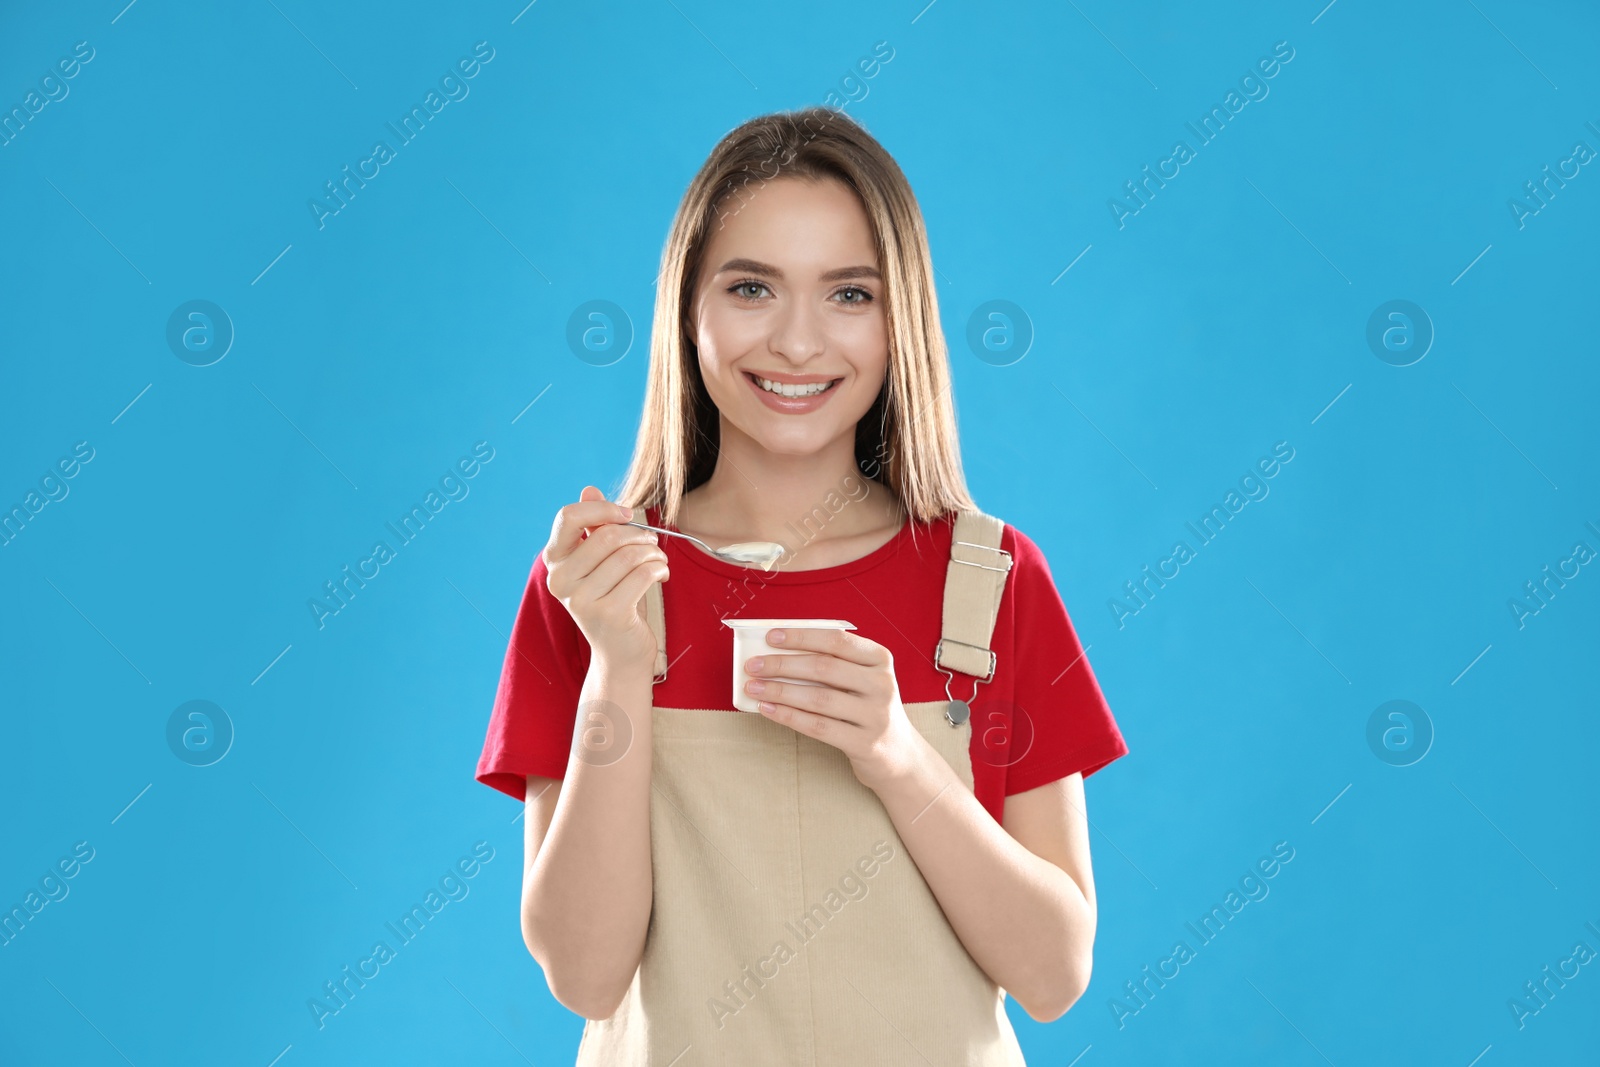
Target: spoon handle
x,y
674,533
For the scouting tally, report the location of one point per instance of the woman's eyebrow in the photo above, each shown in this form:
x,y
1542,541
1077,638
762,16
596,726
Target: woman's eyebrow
x,y
751,266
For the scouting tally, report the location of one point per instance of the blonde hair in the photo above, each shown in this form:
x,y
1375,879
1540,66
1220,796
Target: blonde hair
x,y
909,433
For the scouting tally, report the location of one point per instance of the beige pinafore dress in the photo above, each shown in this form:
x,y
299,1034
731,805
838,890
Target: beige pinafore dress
x,y
790,926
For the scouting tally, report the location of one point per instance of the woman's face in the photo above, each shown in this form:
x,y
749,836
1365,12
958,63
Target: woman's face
x,y
790,298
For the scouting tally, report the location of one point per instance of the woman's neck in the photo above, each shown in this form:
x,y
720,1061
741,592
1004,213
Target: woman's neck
x,y
758,495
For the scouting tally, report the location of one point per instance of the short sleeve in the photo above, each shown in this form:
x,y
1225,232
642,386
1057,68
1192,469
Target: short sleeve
x,y
535,707
1072,726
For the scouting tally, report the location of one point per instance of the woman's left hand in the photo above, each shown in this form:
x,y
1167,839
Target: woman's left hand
x,y
855,707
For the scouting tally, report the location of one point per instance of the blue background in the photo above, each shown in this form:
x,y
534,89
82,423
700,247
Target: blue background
x,y
1228,314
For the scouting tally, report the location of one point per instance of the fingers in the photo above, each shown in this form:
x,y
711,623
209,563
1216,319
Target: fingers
x,y
618,609
808,723
821,699
591,555
633,585
604,579
584,535
841,643
574,520
797,710
823,669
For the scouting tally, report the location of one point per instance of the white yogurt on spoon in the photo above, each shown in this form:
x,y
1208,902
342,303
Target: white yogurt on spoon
x,y
764,553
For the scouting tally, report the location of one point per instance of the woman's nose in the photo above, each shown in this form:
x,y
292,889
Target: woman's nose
x,y
797,334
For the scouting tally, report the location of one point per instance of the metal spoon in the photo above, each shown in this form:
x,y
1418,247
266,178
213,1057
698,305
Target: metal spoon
x,y
764,553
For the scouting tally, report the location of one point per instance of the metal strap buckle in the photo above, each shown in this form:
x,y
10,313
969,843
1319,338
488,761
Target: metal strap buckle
x,y
960,710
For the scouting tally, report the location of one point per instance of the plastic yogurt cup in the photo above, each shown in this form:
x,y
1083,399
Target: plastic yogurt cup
x,y
750,639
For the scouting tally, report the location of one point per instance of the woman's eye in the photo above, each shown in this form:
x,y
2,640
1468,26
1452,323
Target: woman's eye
x,y
753,290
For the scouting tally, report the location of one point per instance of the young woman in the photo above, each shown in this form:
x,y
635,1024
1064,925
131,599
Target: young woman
x,y
861,871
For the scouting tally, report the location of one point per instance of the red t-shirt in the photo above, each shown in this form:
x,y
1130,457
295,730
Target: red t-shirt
x,y
1041,718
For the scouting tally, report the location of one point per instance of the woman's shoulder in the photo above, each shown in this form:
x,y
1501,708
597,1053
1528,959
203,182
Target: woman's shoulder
x,y
1027,558
1012,539
1028,564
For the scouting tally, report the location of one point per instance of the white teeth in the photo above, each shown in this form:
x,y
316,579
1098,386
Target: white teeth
x,y
792,390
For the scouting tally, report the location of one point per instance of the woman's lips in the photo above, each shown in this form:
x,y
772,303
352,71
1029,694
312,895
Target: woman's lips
x,y
792,405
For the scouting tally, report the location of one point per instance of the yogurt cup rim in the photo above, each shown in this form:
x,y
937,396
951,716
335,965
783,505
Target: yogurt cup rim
x,y
815,624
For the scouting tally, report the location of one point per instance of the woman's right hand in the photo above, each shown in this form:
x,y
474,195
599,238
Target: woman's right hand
x,y
601,578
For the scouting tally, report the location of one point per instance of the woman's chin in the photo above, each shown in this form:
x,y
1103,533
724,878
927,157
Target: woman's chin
x,y
792,440
793,445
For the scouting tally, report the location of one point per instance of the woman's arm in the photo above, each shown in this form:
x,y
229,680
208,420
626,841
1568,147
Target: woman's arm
x,y
586,883
1019,896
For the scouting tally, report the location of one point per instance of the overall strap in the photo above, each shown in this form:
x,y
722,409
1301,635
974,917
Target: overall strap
x,y
975,579
655,613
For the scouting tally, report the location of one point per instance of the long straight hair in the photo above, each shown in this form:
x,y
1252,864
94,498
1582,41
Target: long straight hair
x,y
907,440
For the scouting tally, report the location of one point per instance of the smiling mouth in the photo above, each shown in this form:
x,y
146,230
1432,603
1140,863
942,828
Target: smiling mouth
x,y
798,392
